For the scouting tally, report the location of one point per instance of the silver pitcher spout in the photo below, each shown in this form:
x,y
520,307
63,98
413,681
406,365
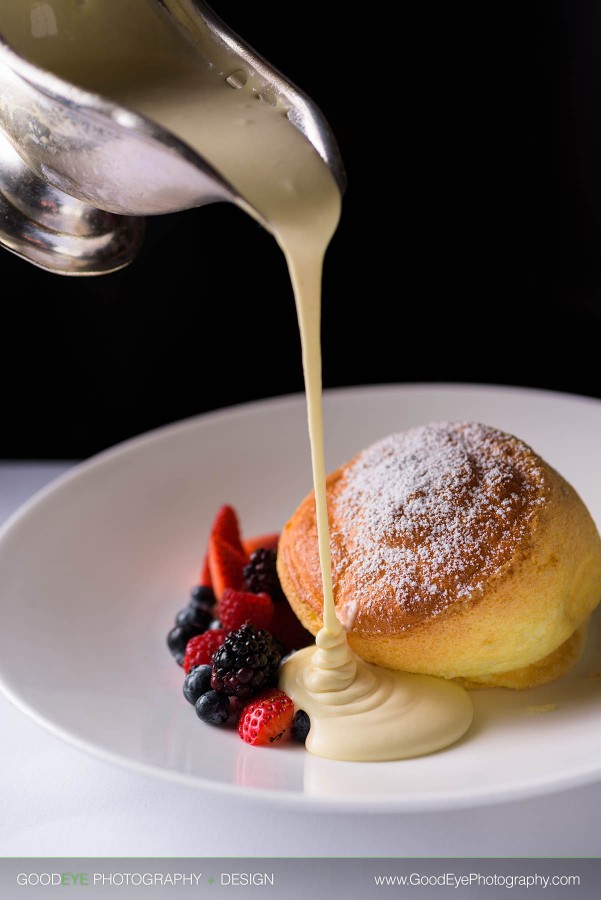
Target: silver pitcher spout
x,y
79,172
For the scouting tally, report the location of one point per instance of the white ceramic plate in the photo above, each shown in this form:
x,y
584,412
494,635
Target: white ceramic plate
x,y
93,569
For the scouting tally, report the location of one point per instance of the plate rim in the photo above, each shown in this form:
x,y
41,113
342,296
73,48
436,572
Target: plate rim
x,y
392,804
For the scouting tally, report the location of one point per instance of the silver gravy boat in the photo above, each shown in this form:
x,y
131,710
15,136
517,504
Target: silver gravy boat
x,y
78,172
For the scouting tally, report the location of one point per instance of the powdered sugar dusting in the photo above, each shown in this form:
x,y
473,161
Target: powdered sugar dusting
x,y
430,513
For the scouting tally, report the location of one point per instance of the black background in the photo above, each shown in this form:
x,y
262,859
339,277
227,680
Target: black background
x,y
469,248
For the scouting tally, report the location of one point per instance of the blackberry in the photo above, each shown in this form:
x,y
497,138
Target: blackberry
x,y
196,617
261,574
213,708
300,726
197,682
246,663
202,596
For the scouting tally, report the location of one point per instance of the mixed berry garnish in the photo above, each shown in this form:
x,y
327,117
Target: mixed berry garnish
x,y
232,635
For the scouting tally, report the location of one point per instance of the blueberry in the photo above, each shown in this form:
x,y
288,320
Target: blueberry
x,y
215,625
202,596
196,683
213,708
300,726
194,617
177,640
189,622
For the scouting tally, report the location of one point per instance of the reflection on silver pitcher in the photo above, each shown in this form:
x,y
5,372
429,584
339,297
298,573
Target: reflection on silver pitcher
x,y
78,171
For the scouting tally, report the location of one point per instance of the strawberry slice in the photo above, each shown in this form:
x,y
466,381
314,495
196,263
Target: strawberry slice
x,y
238,607
205,573
226,565
226,526
267,719
262,542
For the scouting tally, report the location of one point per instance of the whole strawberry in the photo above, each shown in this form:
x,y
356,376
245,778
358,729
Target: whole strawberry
x,y
267,719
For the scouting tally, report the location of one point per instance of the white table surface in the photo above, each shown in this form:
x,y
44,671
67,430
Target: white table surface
x,y
56,800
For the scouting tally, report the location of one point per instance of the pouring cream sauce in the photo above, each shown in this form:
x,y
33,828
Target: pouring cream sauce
x,y
358,711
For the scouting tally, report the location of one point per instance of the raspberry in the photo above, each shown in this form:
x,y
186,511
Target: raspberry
x,y
238,607
246,663
267,719
201,648
261,574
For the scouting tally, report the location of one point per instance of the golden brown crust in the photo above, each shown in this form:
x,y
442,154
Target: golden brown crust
x,y
510,562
